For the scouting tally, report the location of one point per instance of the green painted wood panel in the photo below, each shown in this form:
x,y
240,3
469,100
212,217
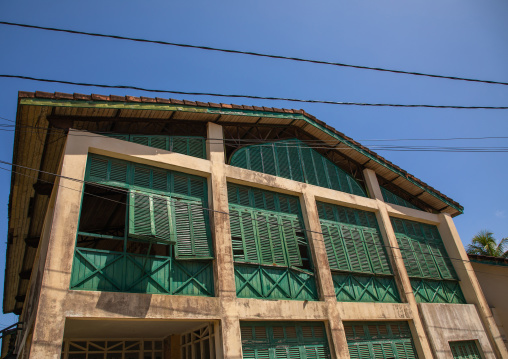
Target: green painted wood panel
x,y
433,277
437,291
380,340
284,340
351,287
100,270
467,349
355,249
186,145
270,248
391,197
294,160
266,282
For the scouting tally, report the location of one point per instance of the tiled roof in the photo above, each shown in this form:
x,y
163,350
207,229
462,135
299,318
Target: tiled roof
x,y
158,100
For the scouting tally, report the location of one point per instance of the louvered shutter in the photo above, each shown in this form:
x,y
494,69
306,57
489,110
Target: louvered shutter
x,y
290,228
98,169
179,145
308,165
150,217
191,227
268,155
295,161
283,167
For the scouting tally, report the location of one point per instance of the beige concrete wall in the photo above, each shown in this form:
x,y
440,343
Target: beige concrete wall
x,y
494,283
57,302
454,322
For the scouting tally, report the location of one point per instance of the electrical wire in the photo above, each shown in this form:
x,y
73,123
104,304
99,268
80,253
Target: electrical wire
x,y
270,98
269,143
173,199
251,53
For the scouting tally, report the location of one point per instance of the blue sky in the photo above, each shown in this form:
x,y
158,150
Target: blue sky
x,y
464,38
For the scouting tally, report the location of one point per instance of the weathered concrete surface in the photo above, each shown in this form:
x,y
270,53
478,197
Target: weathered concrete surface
x,y
493,280
469,283
57,302
453,322
392,248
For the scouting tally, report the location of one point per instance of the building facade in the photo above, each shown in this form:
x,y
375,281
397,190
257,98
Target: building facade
x,y
155,228
492,274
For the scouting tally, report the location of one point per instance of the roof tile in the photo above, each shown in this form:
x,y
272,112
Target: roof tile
x,y
76,96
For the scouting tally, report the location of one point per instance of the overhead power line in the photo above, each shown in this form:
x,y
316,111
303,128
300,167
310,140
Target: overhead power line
x,y
304,141
251,53
270,98
269,143
314,144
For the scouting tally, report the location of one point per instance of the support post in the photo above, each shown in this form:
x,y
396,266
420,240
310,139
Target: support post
x,y
336,334
392,248
224,265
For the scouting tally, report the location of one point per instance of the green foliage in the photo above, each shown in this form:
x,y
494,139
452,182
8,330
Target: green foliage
x,y
484,243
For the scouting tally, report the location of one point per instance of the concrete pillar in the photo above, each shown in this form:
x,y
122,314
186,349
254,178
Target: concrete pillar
x,y
224,265
59,243
336,334
469,283
392,248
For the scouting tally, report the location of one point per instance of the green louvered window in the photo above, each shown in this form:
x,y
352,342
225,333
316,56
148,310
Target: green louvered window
x,y
186,145
356,254
465,350
379,340
269,245
390,197
151,233
284,340
427,263
294,160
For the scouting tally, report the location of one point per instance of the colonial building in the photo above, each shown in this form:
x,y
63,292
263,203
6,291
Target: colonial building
x,y
154,228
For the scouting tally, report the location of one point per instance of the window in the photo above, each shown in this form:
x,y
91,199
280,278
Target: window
x,y
138,227
391,197
294,160
465,350
357,255
186,145
112,349
269,241
433,277
388,340
295,340
199,343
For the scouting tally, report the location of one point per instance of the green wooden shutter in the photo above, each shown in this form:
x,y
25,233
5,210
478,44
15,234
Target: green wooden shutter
x,y
353,240
465,350
191,227
297,161
423,250
150,217
368,340
266,227
281,340
390,197
243,237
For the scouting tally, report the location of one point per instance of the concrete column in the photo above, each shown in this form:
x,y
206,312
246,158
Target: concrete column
x,y
469,283
59,243
224,265
392,248
338,343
